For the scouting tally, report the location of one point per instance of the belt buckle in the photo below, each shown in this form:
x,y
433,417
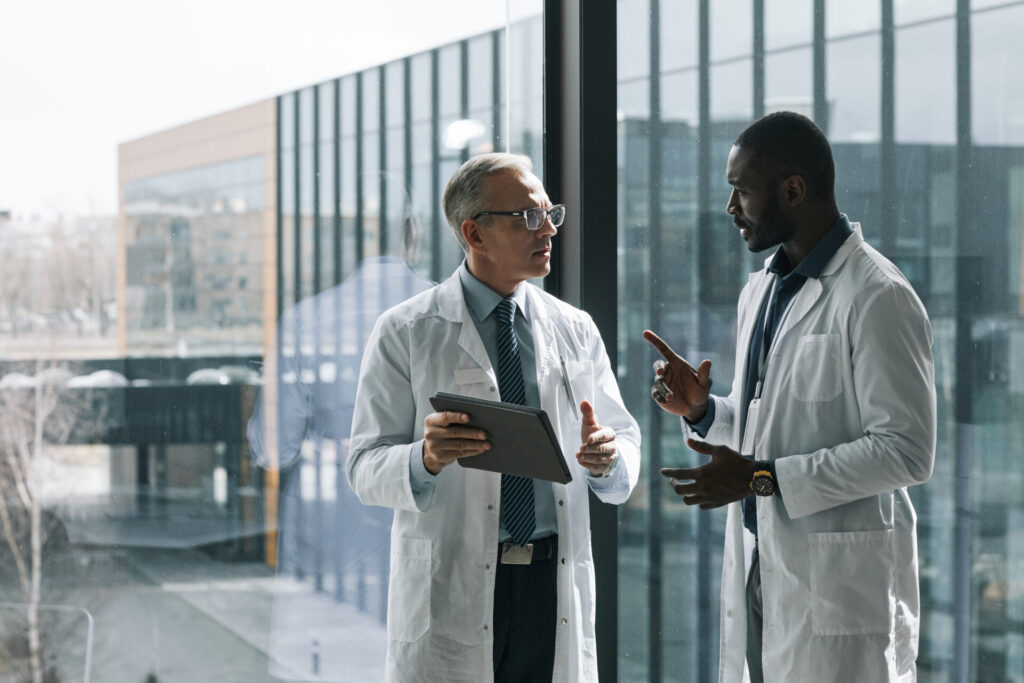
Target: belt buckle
x,y
513,553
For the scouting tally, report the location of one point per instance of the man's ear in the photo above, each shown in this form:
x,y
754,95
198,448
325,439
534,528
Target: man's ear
x,y
471,232
794,190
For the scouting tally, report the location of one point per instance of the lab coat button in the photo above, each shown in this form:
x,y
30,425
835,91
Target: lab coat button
x,y
728,613
492,390
490,507
561,502
564,622
563,560
487,566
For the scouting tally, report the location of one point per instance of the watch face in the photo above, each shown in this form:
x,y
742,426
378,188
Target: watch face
x,y
763,485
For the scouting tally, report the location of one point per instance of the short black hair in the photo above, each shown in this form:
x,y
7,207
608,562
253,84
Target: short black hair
x,y
788,143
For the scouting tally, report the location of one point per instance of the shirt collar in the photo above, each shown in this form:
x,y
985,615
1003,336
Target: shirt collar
x,y
814,263
482,300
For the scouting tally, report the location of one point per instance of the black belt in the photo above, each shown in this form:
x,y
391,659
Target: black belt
x,y
535,551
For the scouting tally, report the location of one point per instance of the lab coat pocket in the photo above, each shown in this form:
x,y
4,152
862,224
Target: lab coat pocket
x,y
852,582
817,371
409,590
475,382
581,378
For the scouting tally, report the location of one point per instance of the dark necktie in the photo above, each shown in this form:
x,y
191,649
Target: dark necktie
x,y
516,492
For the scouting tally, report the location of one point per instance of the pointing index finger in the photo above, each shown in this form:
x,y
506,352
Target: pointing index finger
x,y
662,348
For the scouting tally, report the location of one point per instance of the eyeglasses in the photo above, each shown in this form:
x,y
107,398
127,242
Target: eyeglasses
x,y
534,217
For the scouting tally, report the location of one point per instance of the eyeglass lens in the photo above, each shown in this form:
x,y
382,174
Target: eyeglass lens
x,y
535,217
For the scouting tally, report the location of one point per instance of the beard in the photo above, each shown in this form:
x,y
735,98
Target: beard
x,y
771,230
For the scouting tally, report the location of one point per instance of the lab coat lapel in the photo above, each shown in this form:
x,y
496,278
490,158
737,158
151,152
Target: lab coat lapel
x,y
801,306
453,308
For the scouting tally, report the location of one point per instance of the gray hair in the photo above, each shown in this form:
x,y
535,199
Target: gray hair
x,y
462,195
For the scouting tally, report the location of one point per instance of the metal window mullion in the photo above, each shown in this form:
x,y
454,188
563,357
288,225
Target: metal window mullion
x,y
435,166
758,61
382,162
338,248
705,243
297,201
496,84
820,45
359,169
887,154
318,502
464,90
966,299
655,549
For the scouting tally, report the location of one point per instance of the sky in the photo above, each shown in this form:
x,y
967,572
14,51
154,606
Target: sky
x,y
78,78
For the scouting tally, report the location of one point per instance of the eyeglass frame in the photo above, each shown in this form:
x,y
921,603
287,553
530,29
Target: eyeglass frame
x,y
523,215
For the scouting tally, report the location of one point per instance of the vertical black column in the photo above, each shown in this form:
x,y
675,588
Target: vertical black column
x,y
587,167
655,556
887,157
551,136
966,298
820,95
705,243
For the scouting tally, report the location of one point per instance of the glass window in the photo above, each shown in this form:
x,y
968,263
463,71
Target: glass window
x,y
732,29
787,23
926,84
845,18
906,11
191,299
854,87
909,199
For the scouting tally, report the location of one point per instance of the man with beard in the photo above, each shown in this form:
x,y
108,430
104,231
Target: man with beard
x,y
831,416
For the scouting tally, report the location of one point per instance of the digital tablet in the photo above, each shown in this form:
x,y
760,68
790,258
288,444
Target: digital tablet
x,y
522,440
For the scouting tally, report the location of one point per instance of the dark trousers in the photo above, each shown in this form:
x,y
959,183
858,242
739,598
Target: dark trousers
x,y
525,597
755,620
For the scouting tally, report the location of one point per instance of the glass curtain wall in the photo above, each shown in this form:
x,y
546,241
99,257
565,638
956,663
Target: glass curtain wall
x,y
920,103
162,517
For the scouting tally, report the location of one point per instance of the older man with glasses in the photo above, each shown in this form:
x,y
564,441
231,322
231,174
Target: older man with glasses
x,y
491,574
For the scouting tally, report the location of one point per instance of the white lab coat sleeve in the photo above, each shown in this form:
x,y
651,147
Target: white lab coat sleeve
x,y
611,412
893,379
383,437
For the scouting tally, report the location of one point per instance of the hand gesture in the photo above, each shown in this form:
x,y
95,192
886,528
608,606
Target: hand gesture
x,y
446,439
724,480
678,388
597,444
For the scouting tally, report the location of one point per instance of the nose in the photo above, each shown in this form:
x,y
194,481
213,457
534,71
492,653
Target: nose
x,y
732,206
547,228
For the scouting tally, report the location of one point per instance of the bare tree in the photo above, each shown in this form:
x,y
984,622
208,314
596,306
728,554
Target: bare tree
x,y
33,422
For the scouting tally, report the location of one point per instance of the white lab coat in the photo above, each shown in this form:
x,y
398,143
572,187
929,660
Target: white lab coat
x,y
443,553
848,416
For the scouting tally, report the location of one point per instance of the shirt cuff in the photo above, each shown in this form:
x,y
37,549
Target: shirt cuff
x,y
704,425
420,479
775,478
600,483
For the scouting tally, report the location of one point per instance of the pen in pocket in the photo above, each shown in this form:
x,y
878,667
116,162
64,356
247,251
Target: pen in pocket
x,y
568,389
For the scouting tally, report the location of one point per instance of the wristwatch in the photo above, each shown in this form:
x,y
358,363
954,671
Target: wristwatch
x,y
762,484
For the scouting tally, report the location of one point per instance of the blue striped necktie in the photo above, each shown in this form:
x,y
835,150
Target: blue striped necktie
x,y
516,492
